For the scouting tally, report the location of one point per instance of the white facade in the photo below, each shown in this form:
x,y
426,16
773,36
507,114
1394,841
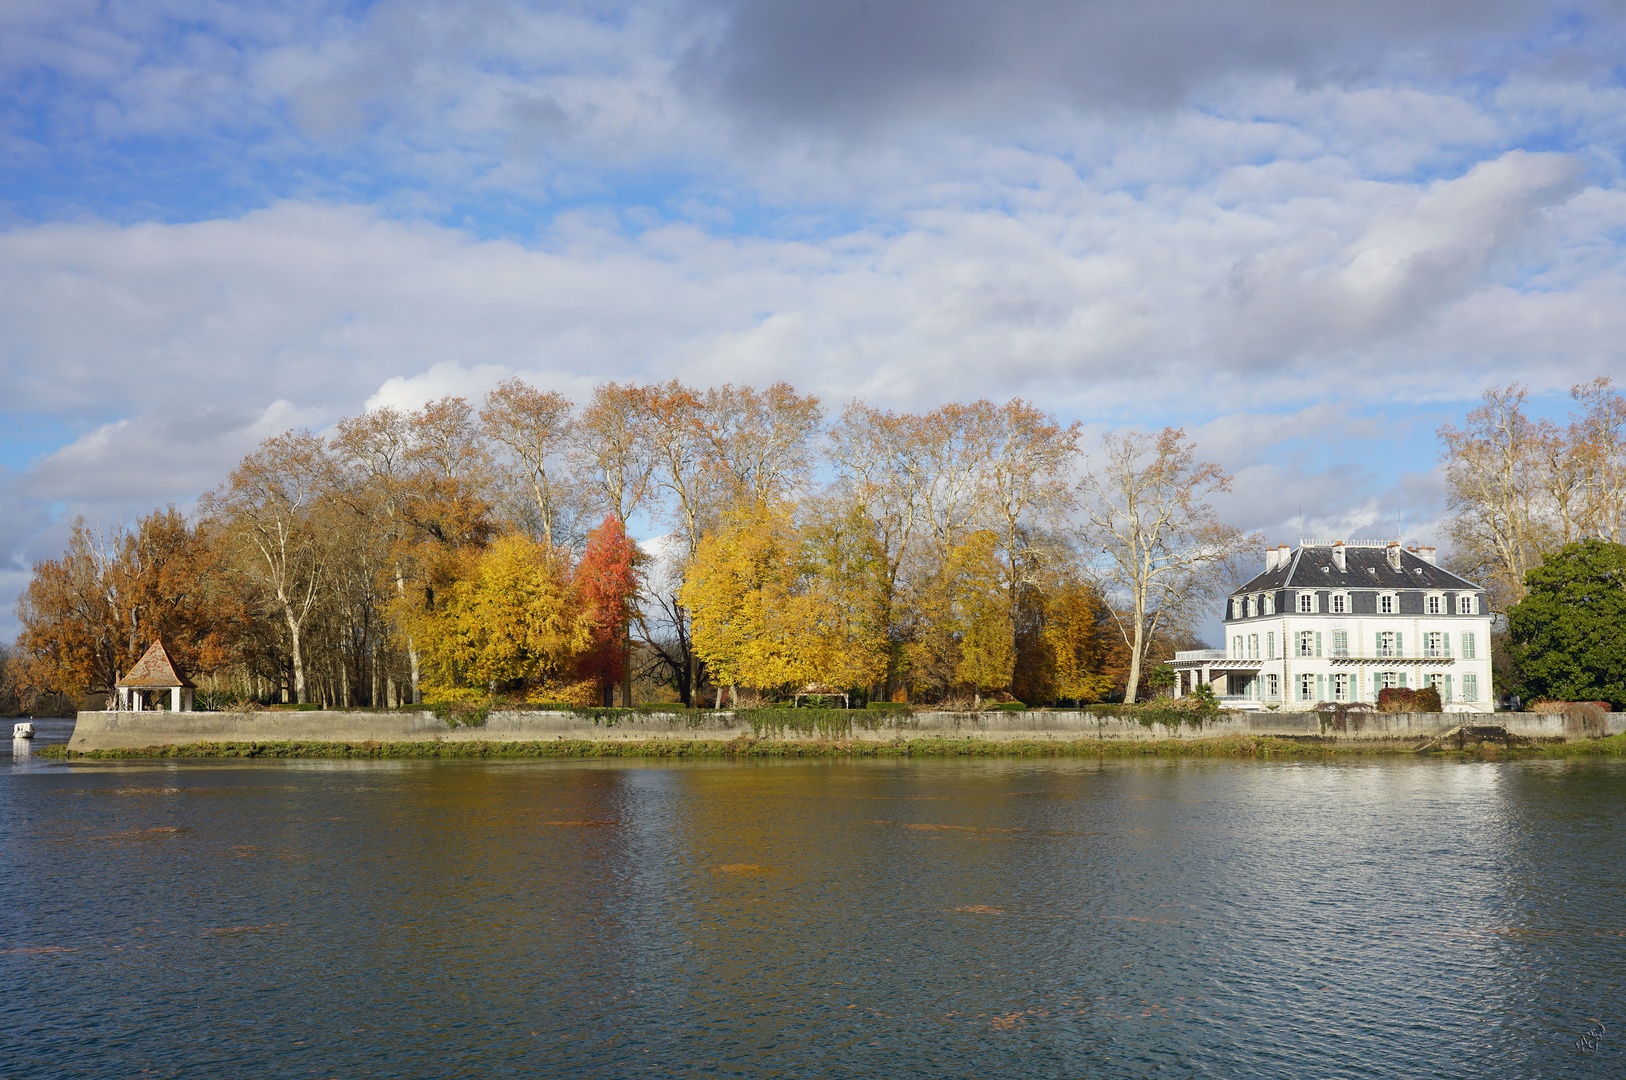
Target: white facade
x,y
1337,622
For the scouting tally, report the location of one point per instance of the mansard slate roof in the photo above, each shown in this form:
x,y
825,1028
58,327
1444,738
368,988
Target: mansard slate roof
x,y
1367,568
156,668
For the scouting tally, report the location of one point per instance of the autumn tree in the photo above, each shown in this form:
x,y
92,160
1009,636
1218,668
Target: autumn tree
x,y
75,634
1163,547
881,480
534,429
1493,473
771,610
609,452
504,621
1598,446
268,511
89,615
605,590
1063,642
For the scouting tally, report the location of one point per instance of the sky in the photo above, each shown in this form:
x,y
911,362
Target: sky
x,y
1308,233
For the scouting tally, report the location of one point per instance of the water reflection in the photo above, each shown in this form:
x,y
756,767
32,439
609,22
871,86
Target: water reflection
x,y
896,918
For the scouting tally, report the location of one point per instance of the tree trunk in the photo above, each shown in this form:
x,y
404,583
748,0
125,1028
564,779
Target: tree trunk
x,y
1134,658
297,658
626,670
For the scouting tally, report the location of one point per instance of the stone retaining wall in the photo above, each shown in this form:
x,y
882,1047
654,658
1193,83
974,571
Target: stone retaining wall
x,y
133,730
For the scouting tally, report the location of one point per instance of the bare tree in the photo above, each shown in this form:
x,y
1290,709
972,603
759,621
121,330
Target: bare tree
x,y
534,428
268,506
1493,469
1598,445
1164,549
1026,485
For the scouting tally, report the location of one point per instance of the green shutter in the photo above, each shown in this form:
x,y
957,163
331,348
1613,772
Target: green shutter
x,y
1445,640
1318,648
1377,644
1320,686
1400,646
1448,689
1402,680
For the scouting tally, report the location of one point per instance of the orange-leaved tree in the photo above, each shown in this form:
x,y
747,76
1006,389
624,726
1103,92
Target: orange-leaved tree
x,y
604,590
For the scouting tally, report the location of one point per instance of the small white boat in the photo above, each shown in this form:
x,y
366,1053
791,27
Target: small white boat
x,y
24,730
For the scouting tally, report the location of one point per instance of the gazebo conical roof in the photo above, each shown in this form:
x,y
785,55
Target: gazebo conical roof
x,y
156,670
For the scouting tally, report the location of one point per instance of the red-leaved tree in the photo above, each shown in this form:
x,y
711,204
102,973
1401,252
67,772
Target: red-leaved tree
x,y
606,588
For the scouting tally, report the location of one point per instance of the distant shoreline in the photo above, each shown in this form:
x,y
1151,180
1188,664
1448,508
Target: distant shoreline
x,y
1228,746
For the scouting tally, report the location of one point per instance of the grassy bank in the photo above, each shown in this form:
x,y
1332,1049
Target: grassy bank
x,y
1241,747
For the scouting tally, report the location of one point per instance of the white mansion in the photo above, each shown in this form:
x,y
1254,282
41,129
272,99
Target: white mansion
x,y
1332,621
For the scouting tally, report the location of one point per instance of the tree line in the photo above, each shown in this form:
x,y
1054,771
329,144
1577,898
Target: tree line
x,y
455,551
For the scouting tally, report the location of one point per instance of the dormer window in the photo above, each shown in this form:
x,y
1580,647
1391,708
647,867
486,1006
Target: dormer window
x,y
1340,603
1270,603
1436,605
1465,605
1386,604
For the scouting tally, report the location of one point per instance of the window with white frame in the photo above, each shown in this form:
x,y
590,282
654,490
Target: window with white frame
x,y
1436,604
1307,602
1465,605
1272,687
1306,643
1470,687
1236,647
1386,604
1391,680
1435,680
1306,687
1270,646
1253,646
1248,606
1340,604
1386,644
1270,603
1340,642
1433,645
1340,687
1468,646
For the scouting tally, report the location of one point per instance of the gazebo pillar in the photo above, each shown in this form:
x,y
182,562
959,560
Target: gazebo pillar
x,y
175,699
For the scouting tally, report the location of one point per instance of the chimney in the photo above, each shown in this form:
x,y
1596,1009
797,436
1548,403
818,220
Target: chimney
x,y
1270,559
1394,554
1426,553
1338,555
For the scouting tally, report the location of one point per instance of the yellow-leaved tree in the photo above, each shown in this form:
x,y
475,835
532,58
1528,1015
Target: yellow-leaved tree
x,y
964,639
1074,616
773,609
504,622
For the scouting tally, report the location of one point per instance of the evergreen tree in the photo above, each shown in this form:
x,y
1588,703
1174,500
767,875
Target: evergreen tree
x,y
1566,632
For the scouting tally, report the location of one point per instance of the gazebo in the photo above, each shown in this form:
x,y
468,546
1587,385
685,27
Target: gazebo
x,y
156,670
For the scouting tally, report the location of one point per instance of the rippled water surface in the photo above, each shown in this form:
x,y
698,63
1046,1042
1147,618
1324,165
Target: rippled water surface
x,y
1388,917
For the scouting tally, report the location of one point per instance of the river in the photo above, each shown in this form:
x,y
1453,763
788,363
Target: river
x,y
1376,917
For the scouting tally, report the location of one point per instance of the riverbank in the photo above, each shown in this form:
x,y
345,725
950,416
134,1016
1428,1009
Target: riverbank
x,y
865,731
1225,746
711,748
